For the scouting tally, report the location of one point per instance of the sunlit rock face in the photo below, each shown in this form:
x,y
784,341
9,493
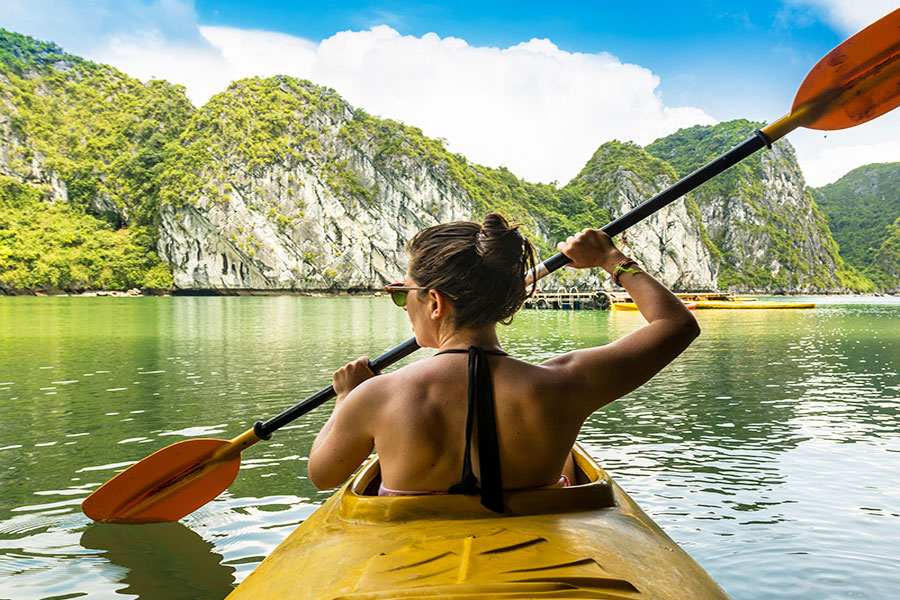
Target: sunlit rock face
x,y
770,235
329,215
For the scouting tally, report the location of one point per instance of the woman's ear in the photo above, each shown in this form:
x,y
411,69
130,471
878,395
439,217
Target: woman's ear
x,y
438,304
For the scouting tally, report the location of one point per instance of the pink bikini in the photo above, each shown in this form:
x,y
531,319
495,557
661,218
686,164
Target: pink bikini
x,y
386,491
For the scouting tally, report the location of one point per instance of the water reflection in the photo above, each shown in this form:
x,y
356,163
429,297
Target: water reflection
x,y
162,560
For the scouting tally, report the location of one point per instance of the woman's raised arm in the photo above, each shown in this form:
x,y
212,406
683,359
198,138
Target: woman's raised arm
x,y
600,375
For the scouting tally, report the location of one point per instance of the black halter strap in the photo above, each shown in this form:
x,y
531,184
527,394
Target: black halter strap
x,y
481,406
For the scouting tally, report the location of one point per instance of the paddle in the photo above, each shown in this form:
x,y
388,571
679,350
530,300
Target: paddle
x,y
856,82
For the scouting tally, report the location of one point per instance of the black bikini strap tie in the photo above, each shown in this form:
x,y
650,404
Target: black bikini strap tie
x,y
481,407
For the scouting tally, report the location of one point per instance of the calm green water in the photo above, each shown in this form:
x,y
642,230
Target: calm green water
x,y
770,451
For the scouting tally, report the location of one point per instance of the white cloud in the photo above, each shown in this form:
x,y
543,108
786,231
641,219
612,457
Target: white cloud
x,y
533,108
848,16
143,39
82,26
199,67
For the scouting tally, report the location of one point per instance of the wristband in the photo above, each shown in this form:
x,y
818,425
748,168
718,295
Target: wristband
x,y
625,266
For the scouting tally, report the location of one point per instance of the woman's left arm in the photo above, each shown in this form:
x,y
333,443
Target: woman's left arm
x,y
347,438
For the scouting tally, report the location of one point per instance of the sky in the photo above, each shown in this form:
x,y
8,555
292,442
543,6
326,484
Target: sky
x,y
531,86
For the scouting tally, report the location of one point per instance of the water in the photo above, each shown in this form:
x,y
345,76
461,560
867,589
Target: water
x,y
769,451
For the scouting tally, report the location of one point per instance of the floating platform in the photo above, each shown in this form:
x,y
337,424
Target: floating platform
x,y
563,300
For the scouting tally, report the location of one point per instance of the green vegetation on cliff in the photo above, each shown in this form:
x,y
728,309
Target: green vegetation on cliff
x,y
689,149
253,125
887,259
862,207
57,247
105,137
781,226
90,156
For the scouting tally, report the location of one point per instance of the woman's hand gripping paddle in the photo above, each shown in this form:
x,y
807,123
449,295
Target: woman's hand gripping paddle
x,y
856,82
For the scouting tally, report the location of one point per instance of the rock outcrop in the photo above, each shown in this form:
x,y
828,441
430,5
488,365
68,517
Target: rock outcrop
x,y
765,232
327,214
669,244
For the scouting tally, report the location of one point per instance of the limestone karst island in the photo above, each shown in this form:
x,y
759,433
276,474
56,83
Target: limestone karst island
x,y
108,183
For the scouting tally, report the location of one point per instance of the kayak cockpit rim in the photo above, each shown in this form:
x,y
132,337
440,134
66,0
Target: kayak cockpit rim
x,y
593,490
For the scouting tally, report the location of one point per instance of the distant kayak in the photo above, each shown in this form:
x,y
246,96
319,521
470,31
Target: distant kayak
x,y
631,306
751,304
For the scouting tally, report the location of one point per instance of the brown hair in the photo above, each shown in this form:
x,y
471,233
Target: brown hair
x,y
481,266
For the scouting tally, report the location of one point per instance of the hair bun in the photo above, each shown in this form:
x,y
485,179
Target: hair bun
x,y
481,266
499,244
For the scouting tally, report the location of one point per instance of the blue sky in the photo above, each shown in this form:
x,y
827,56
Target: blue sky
x,y
529,85
710,54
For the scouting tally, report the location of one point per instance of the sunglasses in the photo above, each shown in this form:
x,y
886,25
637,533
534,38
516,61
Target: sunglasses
x,y
399,292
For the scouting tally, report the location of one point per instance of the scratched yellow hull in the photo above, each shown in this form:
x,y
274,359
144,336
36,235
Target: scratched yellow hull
x,y
587,541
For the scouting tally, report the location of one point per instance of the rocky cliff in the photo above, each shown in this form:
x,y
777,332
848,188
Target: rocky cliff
x,y
311,201
762,226
325,197
670,244
279,184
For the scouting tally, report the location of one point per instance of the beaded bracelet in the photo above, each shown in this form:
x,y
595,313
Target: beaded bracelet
x,y
623,267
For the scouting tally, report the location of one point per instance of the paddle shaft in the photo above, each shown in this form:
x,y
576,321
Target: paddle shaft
x,y
265,429
664,198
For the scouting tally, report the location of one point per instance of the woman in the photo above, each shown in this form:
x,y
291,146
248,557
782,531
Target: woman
x,y
463,279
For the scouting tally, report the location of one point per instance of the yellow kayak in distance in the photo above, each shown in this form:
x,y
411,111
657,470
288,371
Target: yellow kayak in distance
x,y
722,304
589,540
631,306
751,304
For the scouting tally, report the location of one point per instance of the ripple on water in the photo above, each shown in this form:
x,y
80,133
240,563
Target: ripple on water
x,y
202,431
245,530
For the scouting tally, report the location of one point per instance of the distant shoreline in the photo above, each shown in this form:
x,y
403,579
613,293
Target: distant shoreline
x,y
136,293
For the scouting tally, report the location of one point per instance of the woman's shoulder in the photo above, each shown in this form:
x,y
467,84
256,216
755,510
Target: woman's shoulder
x,y
389,385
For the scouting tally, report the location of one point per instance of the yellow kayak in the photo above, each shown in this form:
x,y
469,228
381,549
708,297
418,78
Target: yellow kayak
x,y
737,304
631,306
589,540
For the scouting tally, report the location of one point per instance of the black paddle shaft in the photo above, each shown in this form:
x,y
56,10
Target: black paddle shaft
x,y
758,140
664,198
265,429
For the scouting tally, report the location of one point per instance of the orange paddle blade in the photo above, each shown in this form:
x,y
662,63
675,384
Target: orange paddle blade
x,y
169,484
857,81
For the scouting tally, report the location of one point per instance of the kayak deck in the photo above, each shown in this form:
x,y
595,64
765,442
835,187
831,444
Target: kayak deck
x,y
586,541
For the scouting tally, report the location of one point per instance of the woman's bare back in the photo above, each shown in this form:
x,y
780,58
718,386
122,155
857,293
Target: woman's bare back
x,y
419,430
